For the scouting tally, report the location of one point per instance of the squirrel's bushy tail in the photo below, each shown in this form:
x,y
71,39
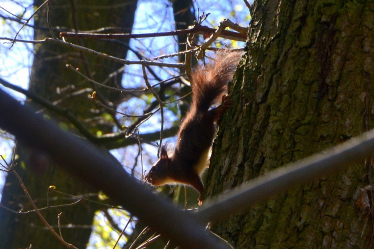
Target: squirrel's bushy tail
x,y
210,81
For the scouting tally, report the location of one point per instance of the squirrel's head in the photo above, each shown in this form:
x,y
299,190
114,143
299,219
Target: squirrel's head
x,y
159,173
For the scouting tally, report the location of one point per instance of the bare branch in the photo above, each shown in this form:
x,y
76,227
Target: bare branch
x,y
40,209
109,57
197,29
12,170
223,24
93,98
110,141
75,70
248,4
103,55
49,20
27,21
159,101
59,224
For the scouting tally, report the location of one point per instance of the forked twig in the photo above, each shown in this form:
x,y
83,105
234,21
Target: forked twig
x,y
27,21
159,101
222,26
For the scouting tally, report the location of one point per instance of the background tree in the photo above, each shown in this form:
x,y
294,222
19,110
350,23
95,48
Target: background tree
x,y
305,85
184,15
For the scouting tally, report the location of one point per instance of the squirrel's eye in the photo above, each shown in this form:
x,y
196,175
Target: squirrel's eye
x,y
153,169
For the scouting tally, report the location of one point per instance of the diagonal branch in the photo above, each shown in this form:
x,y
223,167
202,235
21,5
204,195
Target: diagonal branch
x,y
277,181
87,162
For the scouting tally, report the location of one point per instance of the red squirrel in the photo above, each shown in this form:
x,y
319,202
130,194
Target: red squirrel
x,y
197,131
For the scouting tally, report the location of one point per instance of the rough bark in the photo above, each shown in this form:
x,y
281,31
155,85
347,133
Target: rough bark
x,y
304,85
49,73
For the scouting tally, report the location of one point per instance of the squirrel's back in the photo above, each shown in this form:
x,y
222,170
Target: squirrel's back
x,y
210,81
191,154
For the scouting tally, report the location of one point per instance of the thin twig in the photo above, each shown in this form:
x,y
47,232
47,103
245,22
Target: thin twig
x,y
76,70
148,241
139,235
28,20
175,100
123,231
12,170
59,224
116,59
191,51
175,54
88,200
197,29
141,154
19,20
185,197
211,39
167,244
159,101
137,156
93,98
49,21
188,58
150,87
102,55
40,209
10,13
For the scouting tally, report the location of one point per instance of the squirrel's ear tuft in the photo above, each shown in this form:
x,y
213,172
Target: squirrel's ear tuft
x,y
167,150
164,153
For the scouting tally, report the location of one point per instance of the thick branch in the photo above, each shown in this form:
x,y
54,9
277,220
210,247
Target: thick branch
x,y
277,181
87,162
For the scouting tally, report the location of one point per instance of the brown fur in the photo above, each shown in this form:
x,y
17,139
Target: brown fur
x,y
197,131
209,82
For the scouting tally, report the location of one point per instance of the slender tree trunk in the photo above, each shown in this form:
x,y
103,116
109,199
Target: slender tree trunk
x,y
51,80
183,17
304,85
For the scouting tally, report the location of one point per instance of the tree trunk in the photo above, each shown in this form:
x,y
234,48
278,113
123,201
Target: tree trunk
x,y
304,85
49,74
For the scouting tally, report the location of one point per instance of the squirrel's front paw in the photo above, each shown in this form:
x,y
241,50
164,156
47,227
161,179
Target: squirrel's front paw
x,y
226,101
200,200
